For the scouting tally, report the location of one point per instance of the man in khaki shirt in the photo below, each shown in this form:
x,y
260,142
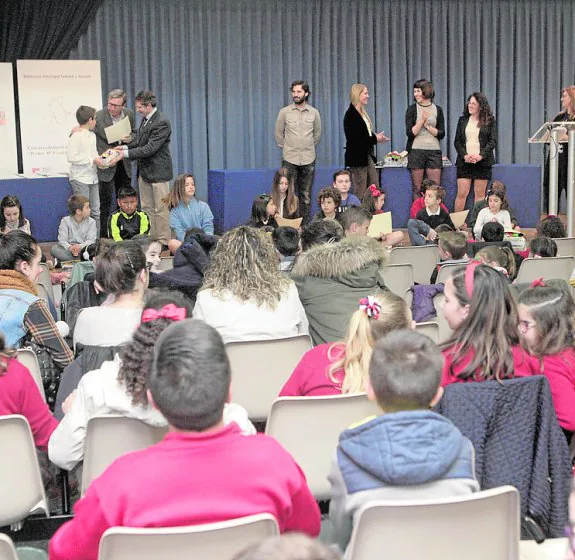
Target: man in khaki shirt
x,y
298,132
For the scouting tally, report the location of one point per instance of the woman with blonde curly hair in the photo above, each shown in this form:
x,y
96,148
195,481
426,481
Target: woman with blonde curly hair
x,y
244,295
342,367
120,385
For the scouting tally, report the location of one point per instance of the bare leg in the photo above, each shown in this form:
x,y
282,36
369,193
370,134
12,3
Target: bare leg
x,y
434,175
463,186
394,238
416,178
479,186
173,245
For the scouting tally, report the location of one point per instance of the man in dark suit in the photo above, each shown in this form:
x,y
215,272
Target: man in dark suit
x,y
118,176
152,150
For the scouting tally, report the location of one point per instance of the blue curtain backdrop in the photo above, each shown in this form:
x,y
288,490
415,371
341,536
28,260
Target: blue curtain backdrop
x,y
221,68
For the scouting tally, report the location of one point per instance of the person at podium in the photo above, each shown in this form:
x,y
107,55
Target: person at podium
x,y
567,114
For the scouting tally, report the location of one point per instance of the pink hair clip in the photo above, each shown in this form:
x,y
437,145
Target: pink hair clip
x,y
370,306
538,282
169,311
375,192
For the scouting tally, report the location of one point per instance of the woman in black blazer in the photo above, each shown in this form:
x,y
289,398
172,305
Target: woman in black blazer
x,y
360,140
475,140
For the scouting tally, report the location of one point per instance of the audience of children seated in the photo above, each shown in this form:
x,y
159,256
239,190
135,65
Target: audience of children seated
x,y
421,230
122,273
76,232
152,250
283,195
189,265
496,187
408,452
244,295
19,394
24,316
419,203
542,247
186,211
119,386
552,227
479,308
318,233
202,471
263,213
328,200
355,221
546,323
286,242
373,201
332,277
342,182
84,160
12,216
452,247
342,367
128,221
501,259
497,210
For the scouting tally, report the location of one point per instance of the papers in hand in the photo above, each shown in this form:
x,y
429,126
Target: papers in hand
x,y
116,132
380,223
285,222
458,218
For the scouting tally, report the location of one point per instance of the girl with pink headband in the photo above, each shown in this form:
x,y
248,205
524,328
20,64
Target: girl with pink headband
x,y
373,201
479,308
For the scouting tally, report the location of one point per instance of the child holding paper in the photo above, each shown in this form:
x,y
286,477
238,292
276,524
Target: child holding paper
x,y
373,201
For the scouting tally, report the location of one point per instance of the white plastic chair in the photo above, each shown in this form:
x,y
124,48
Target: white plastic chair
x,y
45,281
444,329
398,278
548,267
565,246
261,368
475,527
549,549
166,263
429,329
21,485
7,550
28,359
212,541
309,428
423,259
108,437
445,272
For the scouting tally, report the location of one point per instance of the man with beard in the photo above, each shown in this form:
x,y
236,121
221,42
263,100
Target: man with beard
x,y
298,132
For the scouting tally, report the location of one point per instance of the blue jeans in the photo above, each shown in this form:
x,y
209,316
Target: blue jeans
x,y
303,180
417,231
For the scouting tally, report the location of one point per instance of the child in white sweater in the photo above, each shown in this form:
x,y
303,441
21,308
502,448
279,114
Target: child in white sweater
x,y
496,211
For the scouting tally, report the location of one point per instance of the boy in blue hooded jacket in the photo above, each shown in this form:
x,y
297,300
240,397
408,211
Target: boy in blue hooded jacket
x,y
407,453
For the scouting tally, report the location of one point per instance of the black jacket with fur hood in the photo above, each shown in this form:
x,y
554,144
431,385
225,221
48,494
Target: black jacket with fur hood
x,y
332,278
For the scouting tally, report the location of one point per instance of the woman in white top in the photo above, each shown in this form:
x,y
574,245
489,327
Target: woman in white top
x,y
475,140
121,272
119,386
245,296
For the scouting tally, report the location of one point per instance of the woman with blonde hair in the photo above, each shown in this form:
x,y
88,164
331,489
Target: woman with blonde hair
x,y
342,367
244,295
360,139
283,194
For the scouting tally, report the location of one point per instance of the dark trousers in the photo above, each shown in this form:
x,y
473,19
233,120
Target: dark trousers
x,y
303,181
107,188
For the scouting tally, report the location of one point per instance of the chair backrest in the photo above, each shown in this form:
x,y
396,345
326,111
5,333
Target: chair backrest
x,y
221,540
260,369
21,485
27,358
7,550
309,428
548,267
445,272
45,281
423,259
430,329
565,246
166,263
476,526
42,293
444,329
108,437
398,278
